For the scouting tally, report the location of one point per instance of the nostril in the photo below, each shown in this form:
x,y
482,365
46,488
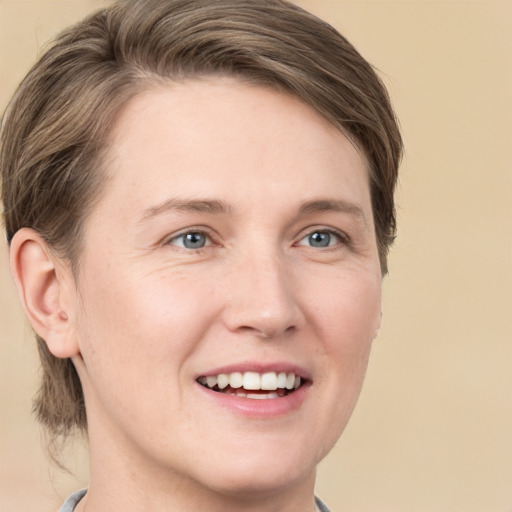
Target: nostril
x,y
267,331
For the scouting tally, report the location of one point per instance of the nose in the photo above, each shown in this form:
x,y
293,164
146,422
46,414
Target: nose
x,y
262,297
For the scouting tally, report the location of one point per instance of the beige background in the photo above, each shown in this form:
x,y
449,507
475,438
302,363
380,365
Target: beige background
x,y
433,429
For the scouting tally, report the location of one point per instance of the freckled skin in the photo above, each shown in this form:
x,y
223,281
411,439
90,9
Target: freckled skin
x,y
153,315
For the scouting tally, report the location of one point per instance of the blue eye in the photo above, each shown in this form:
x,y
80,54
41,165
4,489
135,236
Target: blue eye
x,y
321,239
191,240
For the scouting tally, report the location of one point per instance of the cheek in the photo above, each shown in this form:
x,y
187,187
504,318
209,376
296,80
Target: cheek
x,y
347,320
136,335
343,320
132,319
346,309
358,321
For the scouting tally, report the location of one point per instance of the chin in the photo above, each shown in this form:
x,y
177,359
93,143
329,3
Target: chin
x,y
266,468
251,480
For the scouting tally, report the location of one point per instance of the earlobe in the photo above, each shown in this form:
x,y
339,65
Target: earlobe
x,y
43,288
378,326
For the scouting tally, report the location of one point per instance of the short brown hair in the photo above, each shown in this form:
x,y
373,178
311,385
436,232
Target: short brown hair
x,y
57,125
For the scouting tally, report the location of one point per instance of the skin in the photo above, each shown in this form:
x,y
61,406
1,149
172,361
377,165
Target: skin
x,y
147,315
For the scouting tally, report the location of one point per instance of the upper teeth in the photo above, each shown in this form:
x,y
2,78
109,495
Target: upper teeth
x,y
253,381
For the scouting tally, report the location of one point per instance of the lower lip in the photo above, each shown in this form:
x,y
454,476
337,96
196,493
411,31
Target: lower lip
x,y
264,408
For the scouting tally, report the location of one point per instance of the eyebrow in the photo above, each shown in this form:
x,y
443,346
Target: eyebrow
x,y
333,205
217,206
214,206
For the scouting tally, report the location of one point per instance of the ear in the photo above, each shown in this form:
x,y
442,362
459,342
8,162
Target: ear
x,y
45,285
379,322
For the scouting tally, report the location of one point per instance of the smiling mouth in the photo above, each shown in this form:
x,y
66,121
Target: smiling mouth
x,y
257,386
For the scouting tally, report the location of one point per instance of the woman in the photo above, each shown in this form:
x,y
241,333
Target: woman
x,y
198,198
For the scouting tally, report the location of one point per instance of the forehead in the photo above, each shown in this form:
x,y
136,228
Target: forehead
x,y
220,137
223,103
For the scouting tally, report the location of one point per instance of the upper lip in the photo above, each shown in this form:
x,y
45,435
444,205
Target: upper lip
x,y
252,366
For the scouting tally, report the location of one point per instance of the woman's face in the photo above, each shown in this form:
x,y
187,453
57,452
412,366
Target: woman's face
x,y
233,248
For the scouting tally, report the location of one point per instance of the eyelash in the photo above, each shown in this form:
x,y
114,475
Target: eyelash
x,y
342,239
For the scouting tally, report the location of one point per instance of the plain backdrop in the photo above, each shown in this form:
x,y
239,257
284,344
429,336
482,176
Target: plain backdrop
x,y
433,428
